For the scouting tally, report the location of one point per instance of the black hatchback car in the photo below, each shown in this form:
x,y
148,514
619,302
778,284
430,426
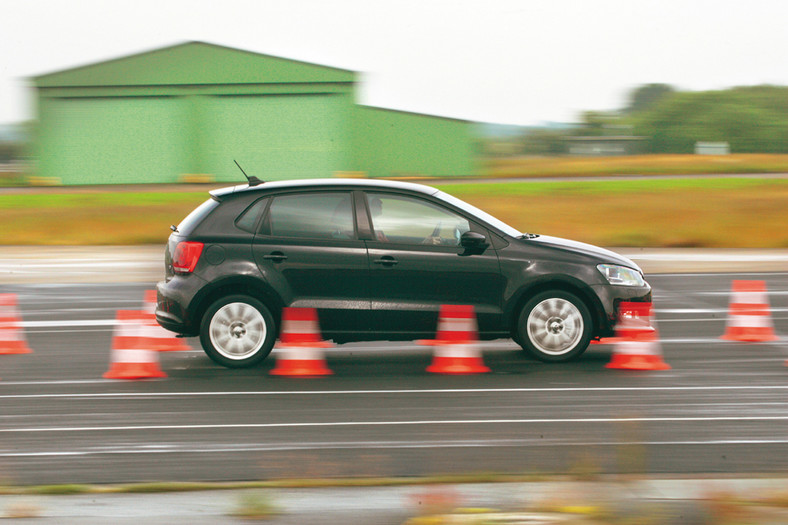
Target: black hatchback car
x,y
377,259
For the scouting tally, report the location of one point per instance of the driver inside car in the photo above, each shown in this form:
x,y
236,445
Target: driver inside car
x,y
376,210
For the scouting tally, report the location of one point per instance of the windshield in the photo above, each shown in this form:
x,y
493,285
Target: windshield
x,y
473,210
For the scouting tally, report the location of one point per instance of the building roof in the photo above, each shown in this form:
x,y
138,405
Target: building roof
x,y
194,63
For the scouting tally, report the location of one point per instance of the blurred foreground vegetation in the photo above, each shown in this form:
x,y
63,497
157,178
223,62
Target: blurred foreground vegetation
x,y
686,212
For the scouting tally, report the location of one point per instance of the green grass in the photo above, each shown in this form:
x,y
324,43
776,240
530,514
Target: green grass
x,y
722,213
634,165
105,218
98,199
601,187
182,486
699,212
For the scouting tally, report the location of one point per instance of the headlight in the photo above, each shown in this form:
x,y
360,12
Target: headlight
x,y
621,275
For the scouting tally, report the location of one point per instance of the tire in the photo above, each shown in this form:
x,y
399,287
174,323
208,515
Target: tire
x,y
554,326
238,331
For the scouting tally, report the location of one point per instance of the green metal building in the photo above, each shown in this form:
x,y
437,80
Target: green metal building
x,y
183,113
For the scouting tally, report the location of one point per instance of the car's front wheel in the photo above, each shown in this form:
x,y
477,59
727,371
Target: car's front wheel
x,y
554,326
238,331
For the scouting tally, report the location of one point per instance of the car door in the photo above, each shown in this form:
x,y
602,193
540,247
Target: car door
x,y
417,264
309,250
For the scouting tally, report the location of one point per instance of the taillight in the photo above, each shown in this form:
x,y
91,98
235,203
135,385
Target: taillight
x,y
186,256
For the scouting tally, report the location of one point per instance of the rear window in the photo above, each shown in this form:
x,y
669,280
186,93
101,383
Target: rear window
x,y
199,213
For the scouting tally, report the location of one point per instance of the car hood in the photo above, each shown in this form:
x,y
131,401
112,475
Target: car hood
x,y
600,254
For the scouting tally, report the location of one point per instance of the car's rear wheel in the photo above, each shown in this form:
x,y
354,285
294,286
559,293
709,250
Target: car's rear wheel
x,y
238,331
554,326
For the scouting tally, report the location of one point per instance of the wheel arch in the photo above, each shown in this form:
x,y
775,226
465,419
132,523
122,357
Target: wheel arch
x,y
239,285
559,283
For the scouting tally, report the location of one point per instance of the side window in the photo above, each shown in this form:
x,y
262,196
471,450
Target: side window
x,y
312,216
248,218
407,220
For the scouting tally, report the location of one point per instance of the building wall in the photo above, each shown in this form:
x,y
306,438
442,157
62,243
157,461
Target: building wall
x,y
395,144
112,140
165,135
184,113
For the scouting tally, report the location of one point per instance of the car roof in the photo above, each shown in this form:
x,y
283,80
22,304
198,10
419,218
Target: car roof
x,y
325,183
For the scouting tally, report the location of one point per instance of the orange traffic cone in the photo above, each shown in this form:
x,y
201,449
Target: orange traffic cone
x,y
636,345
456,343
749,316
132,355
12,338
161,339
301,345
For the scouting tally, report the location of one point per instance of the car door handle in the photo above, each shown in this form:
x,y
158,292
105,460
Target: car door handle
x,y
386,260
275,256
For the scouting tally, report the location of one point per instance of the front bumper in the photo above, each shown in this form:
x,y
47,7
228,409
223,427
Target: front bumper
x,y
611,296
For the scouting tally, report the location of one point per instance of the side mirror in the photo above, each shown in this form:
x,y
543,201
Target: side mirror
x,y
473,242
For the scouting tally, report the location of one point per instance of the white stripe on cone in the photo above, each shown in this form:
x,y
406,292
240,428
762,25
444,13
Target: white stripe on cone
x,y
471,351
8,334
134,355
291,327
643,348
128,329
750,321
749,297
457,324
299,353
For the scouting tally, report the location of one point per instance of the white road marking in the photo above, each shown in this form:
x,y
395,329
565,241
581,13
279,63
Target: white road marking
x,y
57,382
728,293
154,395
690,256
170,448
423,422
68,324
31,266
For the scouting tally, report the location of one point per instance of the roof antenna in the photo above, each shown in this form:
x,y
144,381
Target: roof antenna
x,y
253,181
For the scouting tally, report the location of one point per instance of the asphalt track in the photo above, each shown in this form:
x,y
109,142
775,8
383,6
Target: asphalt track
x,y
720,412
722,408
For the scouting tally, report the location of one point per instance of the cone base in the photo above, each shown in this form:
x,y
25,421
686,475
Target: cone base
x,y
750,337
446,342
132,371
300,368
174,346
303,344
457,366
14,348
629,362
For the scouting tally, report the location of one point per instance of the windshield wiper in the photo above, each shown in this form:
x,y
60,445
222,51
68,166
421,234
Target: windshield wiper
x,y
528,236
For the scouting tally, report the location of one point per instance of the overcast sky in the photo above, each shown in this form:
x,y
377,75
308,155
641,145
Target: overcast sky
x,y
505,61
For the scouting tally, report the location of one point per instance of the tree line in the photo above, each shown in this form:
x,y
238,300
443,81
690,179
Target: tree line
x,y
751,119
